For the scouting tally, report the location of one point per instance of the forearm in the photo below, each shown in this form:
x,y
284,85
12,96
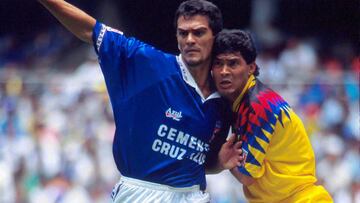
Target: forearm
x,y
215,168
223,156
212,164
244,179
74,19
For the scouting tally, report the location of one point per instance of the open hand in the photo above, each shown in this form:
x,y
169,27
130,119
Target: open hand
x,y
230,154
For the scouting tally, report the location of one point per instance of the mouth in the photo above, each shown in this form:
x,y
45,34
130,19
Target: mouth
x,y
225,84
190,51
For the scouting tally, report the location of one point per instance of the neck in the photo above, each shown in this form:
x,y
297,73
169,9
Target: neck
x,y
200,74
250,83
231,99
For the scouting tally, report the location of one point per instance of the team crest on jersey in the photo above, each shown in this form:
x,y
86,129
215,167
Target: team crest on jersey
x,y
218,126
217,129
244,156
175,115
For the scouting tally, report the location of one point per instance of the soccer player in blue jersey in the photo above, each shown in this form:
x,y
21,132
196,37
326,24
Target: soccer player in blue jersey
x,y
164,106
279,163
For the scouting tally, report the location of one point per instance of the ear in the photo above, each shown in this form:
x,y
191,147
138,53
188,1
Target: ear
x,y
252,68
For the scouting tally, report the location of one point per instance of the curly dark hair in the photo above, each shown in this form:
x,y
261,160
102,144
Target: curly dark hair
x,y
235,40
201,7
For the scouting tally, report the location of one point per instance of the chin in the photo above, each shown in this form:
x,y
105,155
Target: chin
x,y
192,62
225,93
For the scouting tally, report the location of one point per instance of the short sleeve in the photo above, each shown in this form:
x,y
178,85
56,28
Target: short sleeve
x,y
129,65
112,46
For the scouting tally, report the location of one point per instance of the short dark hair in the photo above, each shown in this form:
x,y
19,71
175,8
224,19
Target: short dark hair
x,y
235,40
201,7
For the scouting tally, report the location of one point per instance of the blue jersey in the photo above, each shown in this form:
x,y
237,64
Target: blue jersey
x,y
163,123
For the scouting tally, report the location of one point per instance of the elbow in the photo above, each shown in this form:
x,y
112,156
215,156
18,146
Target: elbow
x,y
247,181
86,37
244,179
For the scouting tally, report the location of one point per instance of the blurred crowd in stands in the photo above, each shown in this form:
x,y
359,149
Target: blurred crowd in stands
x,y
56,125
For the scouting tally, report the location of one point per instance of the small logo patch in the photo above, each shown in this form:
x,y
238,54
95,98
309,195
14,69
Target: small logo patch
x,y
244,155
175,115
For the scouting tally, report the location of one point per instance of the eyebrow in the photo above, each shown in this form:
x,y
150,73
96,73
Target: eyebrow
x,y
227,59
193,29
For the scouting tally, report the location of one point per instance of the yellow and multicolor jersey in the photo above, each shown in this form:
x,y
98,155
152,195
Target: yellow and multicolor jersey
x,y
277,150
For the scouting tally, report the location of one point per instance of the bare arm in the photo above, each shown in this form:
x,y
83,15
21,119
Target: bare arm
x,y
229,156
244,179
74,19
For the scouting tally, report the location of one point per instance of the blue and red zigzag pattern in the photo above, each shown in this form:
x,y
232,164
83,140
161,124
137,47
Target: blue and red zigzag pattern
x,y
259,110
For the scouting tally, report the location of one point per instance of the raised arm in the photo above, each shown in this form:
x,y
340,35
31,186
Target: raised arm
x,y
74,19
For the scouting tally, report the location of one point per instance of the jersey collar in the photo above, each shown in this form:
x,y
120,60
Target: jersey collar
x,y
188,78
250,83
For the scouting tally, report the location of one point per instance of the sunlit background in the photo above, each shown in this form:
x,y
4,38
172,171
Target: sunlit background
x,y
56,125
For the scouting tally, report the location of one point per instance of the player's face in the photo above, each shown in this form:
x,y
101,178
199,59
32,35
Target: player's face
x,y
231,72
195,39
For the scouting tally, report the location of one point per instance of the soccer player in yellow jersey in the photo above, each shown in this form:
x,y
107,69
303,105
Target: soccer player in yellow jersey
x,y
279,162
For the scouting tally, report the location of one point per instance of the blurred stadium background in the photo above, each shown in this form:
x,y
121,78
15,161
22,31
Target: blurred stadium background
x,y
56,125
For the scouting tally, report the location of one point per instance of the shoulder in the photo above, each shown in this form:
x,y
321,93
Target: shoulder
x,y
261,96
113,39
266,103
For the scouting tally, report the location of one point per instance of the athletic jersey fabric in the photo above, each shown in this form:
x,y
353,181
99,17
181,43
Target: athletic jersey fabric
x,y
277,151
163,123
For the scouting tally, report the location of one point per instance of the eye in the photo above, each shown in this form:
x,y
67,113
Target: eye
x,y
233,63
217,63
199,33
182,33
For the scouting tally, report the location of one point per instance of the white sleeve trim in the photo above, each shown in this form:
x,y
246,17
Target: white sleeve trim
x,y
100,37
103,30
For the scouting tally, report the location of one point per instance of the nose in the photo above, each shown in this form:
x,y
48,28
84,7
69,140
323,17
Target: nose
x,y
224,70
190,39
